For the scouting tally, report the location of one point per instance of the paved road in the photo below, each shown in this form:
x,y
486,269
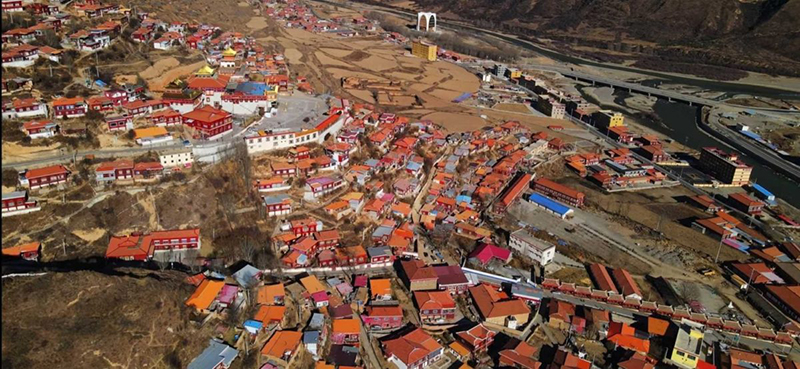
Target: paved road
x,y
745,144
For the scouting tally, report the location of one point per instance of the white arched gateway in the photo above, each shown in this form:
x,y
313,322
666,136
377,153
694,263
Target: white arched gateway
x,y
424,21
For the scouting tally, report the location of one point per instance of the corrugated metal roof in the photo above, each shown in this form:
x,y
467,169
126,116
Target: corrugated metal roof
x,y
549,204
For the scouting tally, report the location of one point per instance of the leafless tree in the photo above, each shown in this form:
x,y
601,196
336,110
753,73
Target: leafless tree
x,y
193,263
248,249
245,164
165,260
228,203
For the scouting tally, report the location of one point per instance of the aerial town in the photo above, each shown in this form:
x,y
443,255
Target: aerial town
x,y
315,184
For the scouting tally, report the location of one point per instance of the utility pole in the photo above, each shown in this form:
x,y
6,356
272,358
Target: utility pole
x,y
719,248
749,280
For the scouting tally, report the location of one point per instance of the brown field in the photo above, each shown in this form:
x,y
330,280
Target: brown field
x,y
328,59
363,95
456,122
512,107
159,68
256,23
13,152
158,82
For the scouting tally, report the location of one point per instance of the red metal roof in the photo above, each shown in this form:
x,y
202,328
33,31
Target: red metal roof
x,y
46,171
559,188
600,275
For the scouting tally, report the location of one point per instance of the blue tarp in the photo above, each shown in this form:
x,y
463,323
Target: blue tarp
x,y
462,97
100,83
736,245
549,204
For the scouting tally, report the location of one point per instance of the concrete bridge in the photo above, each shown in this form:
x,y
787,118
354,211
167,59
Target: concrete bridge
x,y
631,87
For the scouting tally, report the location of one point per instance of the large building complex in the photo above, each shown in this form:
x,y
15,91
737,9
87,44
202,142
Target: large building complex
x,y
725,167
284,138
424,50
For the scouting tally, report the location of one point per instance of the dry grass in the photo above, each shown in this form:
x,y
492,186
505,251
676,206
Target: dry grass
x,y
84,319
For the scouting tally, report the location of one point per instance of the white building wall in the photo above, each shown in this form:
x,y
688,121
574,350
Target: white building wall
x,y
289,139
275,213
44,134
175,159
543,257
244,107
21,63
19,211
153,140
274,189
40,111
183,108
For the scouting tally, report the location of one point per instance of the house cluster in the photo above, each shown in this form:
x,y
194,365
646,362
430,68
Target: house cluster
x,y
241,79
336,311
179,245
726,227
618,169
18,51
772,280
294,14
604,294
487,170
645,341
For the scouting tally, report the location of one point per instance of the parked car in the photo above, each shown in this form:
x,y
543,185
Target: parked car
x,y
707,272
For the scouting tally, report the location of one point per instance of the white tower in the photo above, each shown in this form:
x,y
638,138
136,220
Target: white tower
x,y
424,21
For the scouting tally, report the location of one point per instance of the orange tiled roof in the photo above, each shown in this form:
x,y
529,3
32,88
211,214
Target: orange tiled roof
x,y
282,342
205,294
21,249
270,313
268,293
347,326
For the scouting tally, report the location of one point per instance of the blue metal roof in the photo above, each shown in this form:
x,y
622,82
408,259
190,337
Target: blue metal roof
x,y
254,324
616,166
549,204
752,135
763,191
252,88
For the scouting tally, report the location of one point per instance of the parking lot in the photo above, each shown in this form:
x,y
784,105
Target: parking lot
x,y
292,111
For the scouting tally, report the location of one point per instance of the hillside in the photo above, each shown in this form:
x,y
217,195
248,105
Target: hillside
x,y
758,35
92,320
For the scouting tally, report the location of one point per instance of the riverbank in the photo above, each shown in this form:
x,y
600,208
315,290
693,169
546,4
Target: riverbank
x,y
717,130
